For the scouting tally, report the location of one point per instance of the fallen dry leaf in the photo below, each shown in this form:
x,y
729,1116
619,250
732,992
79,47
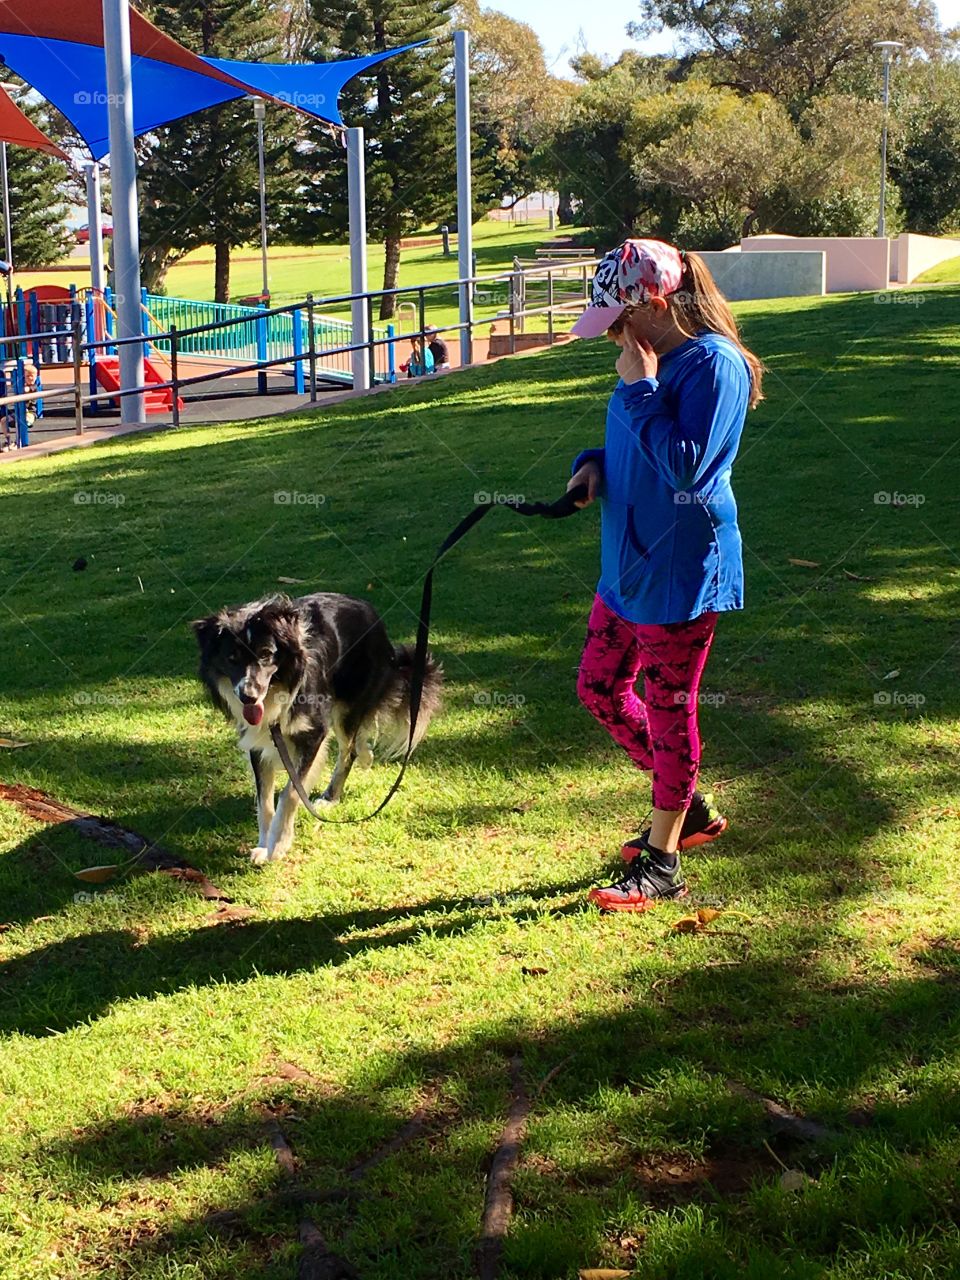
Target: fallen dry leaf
x,y
687,924
291,581
13,743
705,915
794,1180
604,1273
531,971
892,675
98,875
804,564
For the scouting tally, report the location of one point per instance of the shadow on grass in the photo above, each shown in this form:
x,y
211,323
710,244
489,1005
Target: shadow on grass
x,y
617,1098
72,980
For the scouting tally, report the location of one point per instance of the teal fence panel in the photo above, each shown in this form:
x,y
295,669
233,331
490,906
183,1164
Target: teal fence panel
x,y
238,341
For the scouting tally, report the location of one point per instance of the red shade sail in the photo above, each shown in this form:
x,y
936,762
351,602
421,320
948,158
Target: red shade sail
x,y
17,128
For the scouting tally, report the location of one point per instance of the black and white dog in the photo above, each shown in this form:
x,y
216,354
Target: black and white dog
x,y
317,665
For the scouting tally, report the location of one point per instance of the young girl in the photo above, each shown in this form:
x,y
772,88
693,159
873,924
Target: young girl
x,y
670,547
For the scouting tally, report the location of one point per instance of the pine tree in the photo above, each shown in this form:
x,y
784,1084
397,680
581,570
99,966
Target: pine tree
x,y
38,207
198,178
406,108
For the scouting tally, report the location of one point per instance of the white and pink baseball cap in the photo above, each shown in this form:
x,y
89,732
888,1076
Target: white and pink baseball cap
x,y
627,276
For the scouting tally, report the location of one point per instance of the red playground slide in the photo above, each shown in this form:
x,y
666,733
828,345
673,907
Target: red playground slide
x,y
108,376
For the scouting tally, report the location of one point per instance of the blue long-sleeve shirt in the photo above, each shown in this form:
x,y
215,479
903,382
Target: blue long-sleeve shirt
x,y
670,545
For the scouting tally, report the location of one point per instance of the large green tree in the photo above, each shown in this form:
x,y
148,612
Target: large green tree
x,y
199,176
791,49
925,148
38,199
593,149
406,108
738,164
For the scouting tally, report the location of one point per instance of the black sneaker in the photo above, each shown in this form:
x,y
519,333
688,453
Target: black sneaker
x,y
649,880
702,823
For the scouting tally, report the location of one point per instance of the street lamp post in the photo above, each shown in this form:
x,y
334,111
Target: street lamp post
x,y
259,114
888,47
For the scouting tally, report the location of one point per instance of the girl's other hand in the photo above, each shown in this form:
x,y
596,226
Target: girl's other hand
x,y
637,358
589,474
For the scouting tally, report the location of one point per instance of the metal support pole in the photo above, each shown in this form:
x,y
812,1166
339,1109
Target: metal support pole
x,y
260,112
461,53
881,219
78,373
312,347
357,196
887,48
123,178
7,229
174,376
95,225
296,320
371,349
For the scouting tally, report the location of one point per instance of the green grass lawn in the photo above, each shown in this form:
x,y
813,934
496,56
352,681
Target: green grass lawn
x,y
324,270
407,961
943,273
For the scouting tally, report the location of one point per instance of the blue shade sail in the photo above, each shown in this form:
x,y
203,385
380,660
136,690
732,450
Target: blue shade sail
x,y
72,76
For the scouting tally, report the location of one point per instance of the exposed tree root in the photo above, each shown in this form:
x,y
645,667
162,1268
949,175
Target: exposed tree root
x,y
498,1206
782,1120
142,853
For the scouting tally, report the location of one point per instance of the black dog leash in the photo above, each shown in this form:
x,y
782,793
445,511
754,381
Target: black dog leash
x,y
559,510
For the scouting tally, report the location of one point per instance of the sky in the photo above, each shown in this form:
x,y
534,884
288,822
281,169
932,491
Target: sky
x,y
559,24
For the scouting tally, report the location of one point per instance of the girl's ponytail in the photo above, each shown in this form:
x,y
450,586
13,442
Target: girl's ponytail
x,y
698,304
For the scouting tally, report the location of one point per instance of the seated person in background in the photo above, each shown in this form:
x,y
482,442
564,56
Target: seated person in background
x,y
420,361
439,350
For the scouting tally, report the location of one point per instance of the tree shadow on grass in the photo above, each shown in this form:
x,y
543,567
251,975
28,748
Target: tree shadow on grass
x,y
67,982
619,1099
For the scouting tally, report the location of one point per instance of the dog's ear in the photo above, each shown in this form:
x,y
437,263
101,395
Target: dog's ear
x,y
287,628
207,631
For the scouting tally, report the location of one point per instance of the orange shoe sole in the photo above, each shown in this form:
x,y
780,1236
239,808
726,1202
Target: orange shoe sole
x,y
642,904
714,832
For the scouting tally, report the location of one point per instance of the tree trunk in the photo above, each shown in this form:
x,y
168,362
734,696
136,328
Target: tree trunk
x,y
391,273
221,272
565,209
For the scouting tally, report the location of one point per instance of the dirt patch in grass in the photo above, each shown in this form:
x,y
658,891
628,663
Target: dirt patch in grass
x,y
679,1179
941,954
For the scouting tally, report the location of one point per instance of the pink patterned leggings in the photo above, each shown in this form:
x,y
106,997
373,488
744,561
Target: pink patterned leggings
x,y
658,732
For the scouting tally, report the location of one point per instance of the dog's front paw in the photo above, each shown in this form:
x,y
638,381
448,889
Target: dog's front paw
x,y
259,856
279,847
327,799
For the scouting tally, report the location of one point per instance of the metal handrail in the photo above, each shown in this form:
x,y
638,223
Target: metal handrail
x,y
310,306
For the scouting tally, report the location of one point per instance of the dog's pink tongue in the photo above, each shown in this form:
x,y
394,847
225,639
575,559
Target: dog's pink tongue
x,y
253,712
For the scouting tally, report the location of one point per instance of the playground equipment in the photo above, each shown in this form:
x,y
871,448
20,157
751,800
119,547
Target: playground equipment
x,y
187,343
55,327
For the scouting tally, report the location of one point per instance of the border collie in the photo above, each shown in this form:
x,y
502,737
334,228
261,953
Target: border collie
x,y
319,664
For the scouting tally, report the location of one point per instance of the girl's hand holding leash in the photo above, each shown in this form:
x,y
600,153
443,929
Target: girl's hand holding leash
x,y
589,474
637,358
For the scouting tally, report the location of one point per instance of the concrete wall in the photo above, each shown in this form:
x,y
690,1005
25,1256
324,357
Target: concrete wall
x,y
912,254
854,263
786,274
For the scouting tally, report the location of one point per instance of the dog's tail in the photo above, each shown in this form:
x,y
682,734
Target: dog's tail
x,y
394,720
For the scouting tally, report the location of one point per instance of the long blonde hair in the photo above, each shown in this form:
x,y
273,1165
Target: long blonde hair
x,y
698,304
